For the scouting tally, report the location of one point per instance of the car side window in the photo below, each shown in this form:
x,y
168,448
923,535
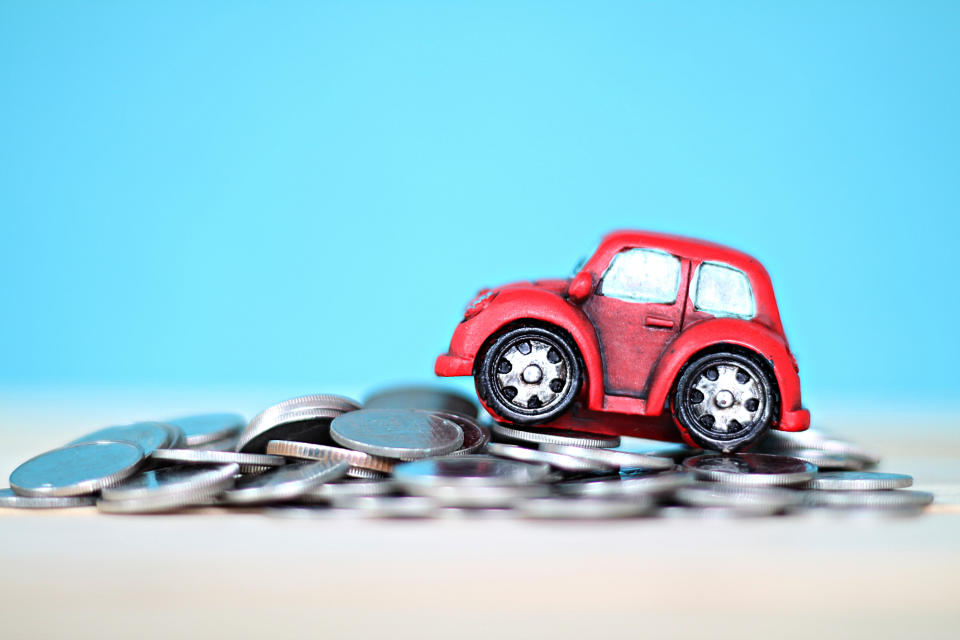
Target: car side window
x,y
721,290
642,275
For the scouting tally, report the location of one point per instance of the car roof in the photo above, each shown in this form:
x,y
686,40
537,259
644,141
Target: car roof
x,y
682,246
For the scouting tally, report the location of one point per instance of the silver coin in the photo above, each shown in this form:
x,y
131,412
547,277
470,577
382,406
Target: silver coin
x,y
9,499
168,489
327,492
557,460
673,450
177,436
611,457
209,427
555,436
723,495
227,444
583,508
389,506
751,469
718,513
785,442
422,476
859,481
303,424
304,451
397,433
149,436
284,483
422,397
826,461
475,435
249,462
77,470
654,484
886,499
483,496
359,473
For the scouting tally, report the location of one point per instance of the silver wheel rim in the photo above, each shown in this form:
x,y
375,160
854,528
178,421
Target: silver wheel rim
x,y
531,374
726,398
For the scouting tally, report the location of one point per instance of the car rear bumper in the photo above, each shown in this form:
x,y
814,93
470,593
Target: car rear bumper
x,y
796,420
450,365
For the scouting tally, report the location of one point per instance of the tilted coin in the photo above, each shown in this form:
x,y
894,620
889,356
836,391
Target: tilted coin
x,y
650,483
555,436
471,470
149,436
208,427
9,499
77,470
359,473
612,457
751,469
249,462
785,442
302,424
389,506
724,495
886,499
557,460
475,435
284,483
426,398
826,461
859,481
397,433
583,508
168,489
304,451
327,492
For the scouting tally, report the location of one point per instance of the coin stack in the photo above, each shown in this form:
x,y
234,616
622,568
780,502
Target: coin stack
x,y
415,452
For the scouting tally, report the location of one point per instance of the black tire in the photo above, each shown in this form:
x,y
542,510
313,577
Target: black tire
x,y
500,380
724,401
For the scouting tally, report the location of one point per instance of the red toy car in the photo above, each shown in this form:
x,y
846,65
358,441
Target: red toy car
x,y
651,325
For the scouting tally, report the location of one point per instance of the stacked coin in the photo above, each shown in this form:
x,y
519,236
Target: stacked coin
x,y
422,452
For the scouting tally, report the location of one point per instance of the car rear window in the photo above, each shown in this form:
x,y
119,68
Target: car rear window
x,y
721,290
642,275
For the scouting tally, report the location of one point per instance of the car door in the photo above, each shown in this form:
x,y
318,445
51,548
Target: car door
x,y
637,309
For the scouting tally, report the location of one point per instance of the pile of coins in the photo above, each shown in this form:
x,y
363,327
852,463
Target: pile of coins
x,y
423,452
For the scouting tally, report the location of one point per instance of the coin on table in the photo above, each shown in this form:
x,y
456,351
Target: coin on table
x,y
555,436
149,436
167,489
284,483
827,461
422,476
751,469
295,422
208,427
9,499
422,397
249,462
648,483
859,481
359,473
615,459
724,495
556,460
895,499
305,451
475,435
397,433
77,470
583,508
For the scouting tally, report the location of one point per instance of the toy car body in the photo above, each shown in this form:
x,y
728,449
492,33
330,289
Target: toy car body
x,y
651,325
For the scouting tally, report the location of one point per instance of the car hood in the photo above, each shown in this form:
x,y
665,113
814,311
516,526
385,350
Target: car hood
x,y
558,286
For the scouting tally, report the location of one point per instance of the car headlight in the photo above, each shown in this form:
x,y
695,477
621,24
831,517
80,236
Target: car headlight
x,y
479,303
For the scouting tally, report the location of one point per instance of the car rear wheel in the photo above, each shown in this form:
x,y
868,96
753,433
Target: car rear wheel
x,y
528,375
724,401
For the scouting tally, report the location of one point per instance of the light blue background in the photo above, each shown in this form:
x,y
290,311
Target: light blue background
x,y
307,194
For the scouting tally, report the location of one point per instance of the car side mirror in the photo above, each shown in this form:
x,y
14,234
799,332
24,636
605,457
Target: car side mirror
x,y
580,287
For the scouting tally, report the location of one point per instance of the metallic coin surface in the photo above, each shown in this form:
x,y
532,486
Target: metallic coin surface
x,y
359,473
78,469
397,433
674,450
859,481
556,460
826,461
327,492
650,483
724,495
482,496
475,435
785,442
149,436
389,506
208,427
886,499
583,508
168,489
9,499
751,469
426,398
470,470
284,483
302,424
615,459
554,436
200,456
304,451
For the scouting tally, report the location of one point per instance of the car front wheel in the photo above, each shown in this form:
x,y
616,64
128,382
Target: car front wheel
x,y
724,401
529,375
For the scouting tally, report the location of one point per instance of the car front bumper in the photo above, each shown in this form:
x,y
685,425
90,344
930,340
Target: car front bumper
x,y
451,365
795,420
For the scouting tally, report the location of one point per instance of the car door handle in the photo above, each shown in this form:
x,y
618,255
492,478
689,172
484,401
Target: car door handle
x,y
658,321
